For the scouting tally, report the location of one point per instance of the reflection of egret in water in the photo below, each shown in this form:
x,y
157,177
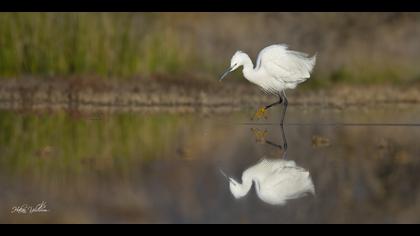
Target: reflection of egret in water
x,y
276,180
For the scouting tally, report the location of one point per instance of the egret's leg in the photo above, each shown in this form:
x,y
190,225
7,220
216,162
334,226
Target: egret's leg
x,y
274,144
285,103
278,102
282,148
261,112
284,138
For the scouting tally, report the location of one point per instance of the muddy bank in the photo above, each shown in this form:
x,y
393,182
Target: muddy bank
x,y
180,96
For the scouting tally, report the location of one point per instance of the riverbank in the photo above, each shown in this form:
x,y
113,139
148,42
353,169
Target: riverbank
x,y
182,96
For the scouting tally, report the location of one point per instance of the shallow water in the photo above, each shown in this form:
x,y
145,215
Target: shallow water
x,y
363,166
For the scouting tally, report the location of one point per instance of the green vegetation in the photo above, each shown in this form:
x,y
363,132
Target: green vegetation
x,y
58,143
94,44
352,47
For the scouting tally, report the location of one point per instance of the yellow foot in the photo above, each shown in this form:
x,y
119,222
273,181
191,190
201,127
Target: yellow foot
x,y
261,112
260,135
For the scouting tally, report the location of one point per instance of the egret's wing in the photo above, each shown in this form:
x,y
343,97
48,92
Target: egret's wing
x,y
264,167
283,181
285,65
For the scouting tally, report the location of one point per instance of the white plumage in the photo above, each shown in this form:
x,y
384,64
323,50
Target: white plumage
x,y
276,181
285,65
277,68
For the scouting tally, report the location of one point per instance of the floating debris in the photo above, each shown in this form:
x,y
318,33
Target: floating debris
x,y
383,144
319,141
45,152
184,153
402,157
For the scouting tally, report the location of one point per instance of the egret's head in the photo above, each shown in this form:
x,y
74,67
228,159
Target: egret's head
x,y
238,59
237,189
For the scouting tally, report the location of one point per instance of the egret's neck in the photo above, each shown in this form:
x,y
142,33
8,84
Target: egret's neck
x,y
243,188
248,69
247,63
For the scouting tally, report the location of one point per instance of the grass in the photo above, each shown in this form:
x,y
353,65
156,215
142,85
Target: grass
x,y
119,46
33,145
99,44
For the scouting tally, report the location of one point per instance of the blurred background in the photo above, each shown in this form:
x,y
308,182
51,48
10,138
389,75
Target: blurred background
x,y
352,47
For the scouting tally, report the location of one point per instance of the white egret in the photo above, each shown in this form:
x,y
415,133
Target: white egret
x,y
277,69
276,181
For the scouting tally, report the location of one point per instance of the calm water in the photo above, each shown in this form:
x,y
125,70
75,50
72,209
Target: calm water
x,y
164,168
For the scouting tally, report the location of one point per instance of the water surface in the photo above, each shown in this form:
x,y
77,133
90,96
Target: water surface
x,y
364,165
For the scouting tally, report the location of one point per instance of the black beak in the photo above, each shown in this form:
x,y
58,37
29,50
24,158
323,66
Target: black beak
x,y
227,177
224,74
223,173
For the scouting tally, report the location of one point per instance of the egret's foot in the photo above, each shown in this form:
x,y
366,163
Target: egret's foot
x,y
261,112
260,135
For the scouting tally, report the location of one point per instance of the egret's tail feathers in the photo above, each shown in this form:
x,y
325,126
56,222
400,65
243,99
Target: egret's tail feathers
x,y
302,64
309,64
312,62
